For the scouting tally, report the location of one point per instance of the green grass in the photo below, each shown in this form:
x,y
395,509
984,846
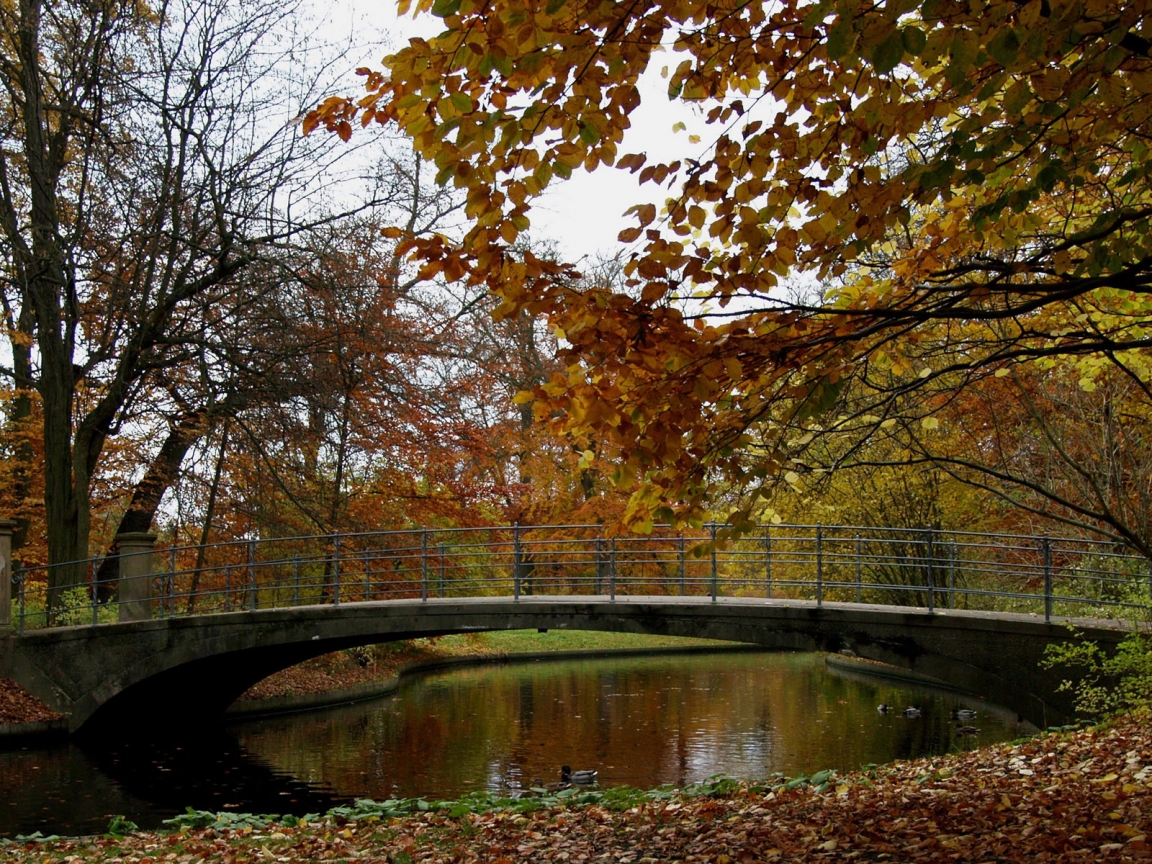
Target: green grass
x,y
532,642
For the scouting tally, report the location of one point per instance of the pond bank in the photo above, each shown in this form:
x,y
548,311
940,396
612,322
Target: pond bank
x,y
1072,796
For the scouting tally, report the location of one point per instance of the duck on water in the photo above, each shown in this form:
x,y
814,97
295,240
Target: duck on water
x,y
581,778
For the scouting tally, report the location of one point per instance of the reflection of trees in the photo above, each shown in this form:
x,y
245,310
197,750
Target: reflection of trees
x,y
640,721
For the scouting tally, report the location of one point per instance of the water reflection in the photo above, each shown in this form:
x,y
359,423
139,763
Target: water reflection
x,y
641,721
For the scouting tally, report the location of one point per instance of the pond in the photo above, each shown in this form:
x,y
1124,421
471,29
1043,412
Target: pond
x,y
642,721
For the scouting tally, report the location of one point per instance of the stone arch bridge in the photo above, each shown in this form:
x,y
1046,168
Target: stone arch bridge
x,y
182,671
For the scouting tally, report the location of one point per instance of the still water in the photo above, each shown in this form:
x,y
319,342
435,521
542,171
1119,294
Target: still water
x,y
642,721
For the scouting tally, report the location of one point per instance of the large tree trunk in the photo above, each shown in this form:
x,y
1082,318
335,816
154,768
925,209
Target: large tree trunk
x,y
48,285
148,493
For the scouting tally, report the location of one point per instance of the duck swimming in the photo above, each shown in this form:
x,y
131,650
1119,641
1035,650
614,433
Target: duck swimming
x,y
883,707
963,714
912,711
583,777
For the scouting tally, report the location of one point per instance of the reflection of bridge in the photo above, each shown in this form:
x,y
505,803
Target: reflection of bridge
x,y
177,646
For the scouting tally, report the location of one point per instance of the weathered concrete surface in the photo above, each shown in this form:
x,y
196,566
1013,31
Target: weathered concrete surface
x,y
155,674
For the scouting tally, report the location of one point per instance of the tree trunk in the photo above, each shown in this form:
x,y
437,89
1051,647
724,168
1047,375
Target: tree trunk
x,y
148,493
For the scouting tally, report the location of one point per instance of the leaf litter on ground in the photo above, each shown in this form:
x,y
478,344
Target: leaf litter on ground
x,y
1062,797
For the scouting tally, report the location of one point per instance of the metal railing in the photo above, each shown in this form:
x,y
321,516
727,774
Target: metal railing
x,y
931,569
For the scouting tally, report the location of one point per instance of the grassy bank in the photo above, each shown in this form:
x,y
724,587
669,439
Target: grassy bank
x,y
1076,796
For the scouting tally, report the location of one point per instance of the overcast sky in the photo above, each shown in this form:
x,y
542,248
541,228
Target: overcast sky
x,y
583,214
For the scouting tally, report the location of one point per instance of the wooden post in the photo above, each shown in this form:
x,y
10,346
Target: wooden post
x,y
135,590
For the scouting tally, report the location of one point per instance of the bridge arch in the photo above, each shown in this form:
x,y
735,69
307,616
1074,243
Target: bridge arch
x,y
186,671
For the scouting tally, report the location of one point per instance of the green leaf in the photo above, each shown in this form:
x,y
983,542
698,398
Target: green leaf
x,y
841,40
554,6
462,102
589,133
914,40
561,170
1004,46
445,8
889,53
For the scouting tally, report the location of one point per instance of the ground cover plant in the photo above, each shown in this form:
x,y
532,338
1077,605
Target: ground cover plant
x,y
1068,796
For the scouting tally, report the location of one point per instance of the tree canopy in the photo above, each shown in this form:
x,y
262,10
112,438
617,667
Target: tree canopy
x,y
894,200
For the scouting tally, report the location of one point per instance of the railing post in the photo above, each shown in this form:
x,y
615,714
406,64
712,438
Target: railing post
x,y
859,585
135,589
367,576
1047,545
227,587
172,578
424,564
95,596
768,563
335,568
952,575
515,561
712,527
7,529
296,580
441,578
680,556
930,551
819,564
599,566
252,604
20,592
612,569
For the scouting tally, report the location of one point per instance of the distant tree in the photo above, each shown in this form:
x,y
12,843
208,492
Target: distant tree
x,y
149,161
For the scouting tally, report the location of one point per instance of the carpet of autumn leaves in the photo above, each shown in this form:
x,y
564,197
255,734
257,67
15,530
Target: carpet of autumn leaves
x,y
1081,796
342,669
17,705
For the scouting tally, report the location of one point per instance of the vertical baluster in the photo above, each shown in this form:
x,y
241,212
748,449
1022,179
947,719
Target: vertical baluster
x,y
1047,547
715,574
367,575
424,564
95,596
227,587
335,568
441,579
952,575
516,561
296,580
172,579
20,592
768,563
612,569
930,553
680,556
819,564
859,583
599,565
252,575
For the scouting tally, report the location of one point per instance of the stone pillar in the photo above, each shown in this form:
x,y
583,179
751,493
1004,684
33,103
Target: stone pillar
x,y
135,575
7,528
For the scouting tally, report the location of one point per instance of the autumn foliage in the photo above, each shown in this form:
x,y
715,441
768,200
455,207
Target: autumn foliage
x,y
893,201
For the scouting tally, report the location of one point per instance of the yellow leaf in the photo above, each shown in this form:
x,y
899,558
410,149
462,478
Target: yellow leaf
x,y
929,423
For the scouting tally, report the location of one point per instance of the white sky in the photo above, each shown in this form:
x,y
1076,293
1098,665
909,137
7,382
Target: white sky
x,y
584,214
